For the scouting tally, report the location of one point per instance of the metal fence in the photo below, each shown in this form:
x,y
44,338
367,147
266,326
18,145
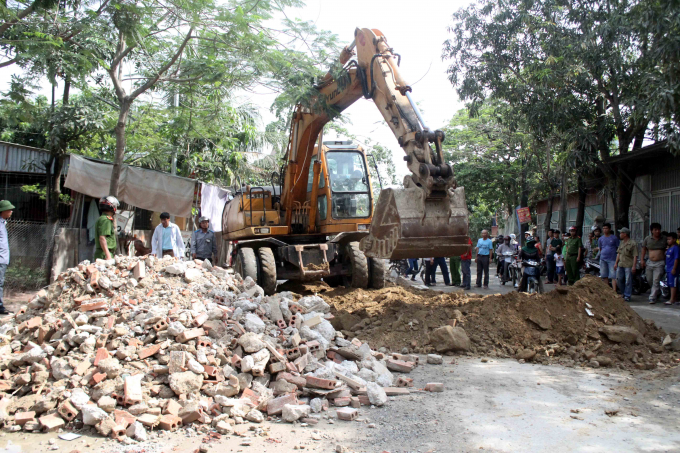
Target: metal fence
x,y
30,245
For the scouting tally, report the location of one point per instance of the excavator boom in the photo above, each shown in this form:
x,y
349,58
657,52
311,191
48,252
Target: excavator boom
x,y
428,217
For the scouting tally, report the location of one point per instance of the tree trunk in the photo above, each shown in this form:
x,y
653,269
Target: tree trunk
x,y
581,209
524,198
548,216
624,193
120,147
564,194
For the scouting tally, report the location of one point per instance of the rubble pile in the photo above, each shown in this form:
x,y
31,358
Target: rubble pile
x,y
132,346
583,325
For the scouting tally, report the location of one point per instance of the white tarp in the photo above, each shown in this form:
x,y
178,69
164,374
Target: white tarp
x,y
213,200
146,189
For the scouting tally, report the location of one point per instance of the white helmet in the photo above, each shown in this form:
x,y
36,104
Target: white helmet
x,y
512,235
109,201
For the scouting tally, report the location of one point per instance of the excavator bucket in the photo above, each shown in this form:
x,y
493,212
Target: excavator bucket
x,y
407,225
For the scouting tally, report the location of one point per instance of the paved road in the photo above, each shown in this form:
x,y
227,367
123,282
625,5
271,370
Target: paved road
x,y
667,317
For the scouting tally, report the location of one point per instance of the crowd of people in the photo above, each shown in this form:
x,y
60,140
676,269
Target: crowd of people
x,y
619,258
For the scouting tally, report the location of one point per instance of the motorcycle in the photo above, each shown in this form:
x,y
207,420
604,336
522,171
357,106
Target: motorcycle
x,y
515,271
640,284
592,267
400,267
665,290
533,271
506,259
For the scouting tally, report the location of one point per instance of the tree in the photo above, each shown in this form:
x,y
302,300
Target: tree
x,y
196,42
568,66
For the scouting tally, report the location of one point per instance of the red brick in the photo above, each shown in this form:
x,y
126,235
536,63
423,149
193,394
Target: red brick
x,y
328,384
434,387
200,319
118,432
20,418
96,305
400,365
151,350
172,408
252,396
123,418
67,411
396,391
342,402
51,422
133,389
404,382
98,377
170,422
190,334
34,322
300,381
355,402
102,354
160,325
276,367
275,406
347,413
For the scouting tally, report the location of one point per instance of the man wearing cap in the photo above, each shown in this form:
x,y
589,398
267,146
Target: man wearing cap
x,y
626,262
105,229
203,244
167,239
572,251
5,213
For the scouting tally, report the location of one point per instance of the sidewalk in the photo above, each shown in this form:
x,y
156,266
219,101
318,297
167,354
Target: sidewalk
x,y
665,316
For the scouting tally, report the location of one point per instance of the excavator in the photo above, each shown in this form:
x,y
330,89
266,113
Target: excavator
x,y
321,220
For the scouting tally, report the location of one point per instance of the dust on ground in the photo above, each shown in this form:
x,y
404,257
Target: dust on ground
x,y
555,325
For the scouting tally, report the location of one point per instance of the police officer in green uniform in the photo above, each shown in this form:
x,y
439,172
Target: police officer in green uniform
x,y
573,246
105,229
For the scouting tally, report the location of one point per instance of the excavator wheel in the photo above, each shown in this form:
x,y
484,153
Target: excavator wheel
x,y
378,272
267,270
246,263
358,264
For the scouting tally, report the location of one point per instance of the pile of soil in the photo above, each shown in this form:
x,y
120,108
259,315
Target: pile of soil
x,y
555,326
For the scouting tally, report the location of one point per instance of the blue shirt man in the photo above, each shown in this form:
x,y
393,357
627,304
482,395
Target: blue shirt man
x,y
608,245
484,247
203,244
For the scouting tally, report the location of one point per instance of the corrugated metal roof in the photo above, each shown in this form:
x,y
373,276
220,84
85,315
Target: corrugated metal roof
x,y
24,159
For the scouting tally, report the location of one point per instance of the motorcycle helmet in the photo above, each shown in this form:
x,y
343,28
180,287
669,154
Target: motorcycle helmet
x,y
110,202
512,235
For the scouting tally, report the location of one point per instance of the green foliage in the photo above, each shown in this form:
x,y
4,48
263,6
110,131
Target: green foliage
x,y
23,278
41,191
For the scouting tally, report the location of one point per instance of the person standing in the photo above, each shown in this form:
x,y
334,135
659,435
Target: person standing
x,y
483,249
429,274
550,257
454,261
167,239
412,268
672,258
654,245
572,248
465,261
441,263
608,244
6,209
595,248
105,229
203,243
626,263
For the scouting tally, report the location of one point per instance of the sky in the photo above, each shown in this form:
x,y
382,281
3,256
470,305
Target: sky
x,y
416,30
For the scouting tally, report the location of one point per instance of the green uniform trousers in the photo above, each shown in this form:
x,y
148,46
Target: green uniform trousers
x,y
573,273
99,254
455,270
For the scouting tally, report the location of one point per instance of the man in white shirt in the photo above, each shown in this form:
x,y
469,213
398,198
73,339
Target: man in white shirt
x,y
167,239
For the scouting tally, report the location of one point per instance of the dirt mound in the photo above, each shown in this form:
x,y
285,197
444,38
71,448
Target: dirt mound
x,y
555,326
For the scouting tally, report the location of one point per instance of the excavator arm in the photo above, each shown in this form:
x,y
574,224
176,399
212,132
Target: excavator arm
x,y
428,217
